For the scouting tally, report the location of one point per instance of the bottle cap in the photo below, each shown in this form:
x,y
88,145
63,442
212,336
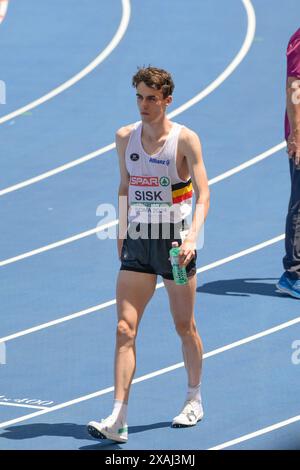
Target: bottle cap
x,y
174,244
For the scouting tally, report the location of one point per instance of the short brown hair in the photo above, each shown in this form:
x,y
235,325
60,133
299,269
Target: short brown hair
x,y
153,77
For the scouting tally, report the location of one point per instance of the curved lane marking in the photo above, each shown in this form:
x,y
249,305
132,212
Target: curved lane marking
x,y
209,89
83,73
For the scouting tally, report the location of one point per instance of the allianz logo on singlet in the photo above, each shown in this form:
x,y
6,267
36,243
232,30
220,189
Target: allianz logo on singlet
x,y
162,162
135,157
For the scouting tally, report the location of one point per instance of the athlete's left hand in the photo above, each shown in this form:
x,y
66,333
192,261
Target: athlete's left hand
x,y
187,252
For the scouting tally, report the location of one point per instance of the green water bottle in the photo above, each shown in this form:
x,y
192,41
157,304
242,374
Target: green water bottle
x,y
179,273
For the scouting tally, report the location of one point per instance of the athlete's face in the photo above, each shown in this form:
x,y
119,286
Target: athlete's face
x,y
151,103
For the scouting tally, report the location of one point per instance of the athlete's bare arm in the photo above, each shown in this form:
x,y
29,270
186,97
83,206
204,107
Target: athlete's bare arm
x,y
189,145
122,138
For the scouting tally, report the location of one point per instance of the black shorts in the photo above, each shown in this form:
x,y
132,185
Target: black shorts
x,y
151,255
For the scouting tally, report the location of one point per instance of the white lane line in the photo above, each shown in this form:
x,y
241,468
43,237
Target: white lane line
x,y
158,286
260,432
100,228
43,326
259,335
245,252
65,241
84,72
24,406
209,89
57,170
231,67
248,163
150,375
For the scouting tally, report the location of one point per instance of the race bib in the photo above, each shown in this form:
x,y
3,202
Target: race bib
x,y
150,197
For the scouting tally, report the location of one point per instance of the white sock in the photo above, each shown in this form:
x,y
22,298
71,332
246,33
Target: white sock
x,y
193,393
120,410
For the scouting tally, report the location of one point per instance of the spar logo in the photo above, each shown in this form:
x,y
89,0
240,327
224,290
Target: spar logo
x,y
144,181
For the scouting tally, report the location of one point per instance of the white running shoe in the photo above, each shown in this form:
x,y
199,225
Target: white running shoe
x,y
109,428
191,413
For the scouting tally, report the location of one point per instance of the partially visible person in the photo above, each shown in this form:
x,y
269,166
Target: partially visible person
x,y
289,282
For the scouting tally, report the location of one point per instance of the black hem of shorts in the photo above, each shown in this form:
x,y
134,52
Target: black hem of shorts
x,y
128,268
170,277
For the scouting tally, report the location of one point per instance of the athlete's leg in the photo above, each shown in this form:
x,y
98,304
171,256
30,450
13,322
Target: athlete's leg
x,y
134,290
182,302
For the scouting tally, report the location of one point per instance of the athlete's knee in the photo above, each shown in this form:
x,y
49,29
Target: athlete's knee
x,y
125,331
186,328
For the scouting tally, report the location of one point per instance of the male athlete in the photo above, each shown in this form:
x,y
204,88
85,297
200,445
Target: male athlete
x,y
160,166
